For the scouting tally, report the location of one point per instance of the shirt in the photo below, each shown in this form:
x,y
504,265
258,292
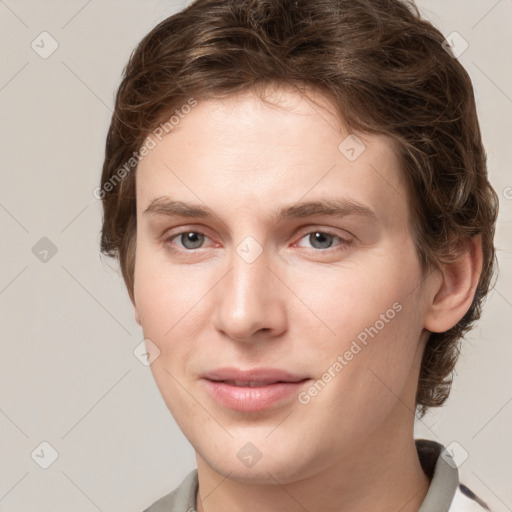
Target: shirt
x,y
445,493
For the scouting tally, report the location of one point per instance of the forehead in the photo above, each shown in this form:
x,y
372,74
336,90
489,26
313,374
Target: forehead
x,y
243,151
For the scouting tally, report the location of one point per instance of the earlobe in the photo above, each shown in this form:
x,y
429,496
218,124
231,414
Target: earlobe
x,y
454,296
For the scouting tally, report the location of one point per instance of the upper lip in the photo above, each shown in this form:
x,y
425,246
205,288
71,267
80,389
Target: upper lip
x,y
261,375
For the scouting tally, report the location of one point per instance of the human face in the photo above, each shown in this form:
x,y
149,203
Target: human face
x,y
250,289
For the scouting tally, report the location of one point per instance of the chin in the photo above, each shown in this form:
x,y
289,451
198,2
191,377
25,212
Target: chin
x,y
261,473
272,465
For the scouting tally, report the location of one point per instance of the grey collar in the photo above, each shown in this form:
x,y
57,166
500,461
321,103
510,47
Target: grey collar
x,y
440,467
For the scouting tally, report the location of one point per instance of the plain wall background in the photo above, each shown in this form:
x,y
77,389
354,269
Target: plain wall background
x,y
68,375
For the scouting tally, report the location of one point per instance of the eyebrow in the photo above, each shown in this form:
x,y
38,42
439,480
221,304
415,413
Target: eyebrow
x,y
165,206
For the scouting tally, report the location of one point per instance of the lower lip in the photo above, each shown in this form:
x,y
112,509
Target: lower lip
x,y
247,399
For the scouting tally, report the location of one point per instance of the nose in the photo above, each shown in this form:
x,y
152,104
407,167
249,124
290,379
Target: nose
x,y
250,301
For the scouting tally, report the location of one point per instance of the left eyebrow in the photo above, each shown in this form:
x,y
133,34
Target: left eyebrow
x,y
331,207
328,207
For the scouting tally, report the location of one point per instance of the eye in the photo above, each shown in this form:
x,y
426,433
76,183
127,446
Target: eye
x,y
189,240
322,240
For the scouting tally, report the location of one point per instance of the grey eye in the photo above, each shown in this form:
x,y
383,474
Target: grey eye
x,y
320,240
191,240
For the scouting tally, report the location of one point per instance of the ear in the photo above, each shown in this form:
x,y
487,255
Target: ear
x,y
456,290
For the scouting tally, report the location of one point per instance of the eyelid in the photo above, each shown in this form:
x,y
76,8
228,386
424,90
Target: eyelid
x,y
340,233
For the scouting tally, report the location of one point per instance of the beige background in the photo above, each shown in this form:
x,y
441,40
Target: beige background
x,y
68,375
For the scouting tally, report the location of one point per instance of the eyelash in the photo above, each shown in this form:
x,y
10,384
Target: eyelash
x,y
343,245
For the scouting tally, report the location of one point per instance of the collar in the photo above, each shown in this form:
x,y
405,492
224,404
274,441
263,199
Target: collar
x,y
440,467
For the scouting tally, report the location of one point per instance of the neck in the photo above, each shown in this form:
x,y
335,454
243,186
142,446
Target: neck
x,y
382,473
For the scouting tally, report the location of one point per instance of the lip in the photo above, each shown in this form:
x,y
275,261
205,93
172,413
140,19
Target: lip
x,y
264,375
274,386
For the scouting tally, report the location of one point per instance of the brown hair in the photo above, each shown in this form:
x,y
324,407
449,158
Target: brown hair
x,y
385,70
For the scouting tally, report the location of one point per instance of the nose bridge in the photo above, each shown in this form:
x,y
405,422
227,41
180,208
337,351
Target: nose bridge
x,y
248,301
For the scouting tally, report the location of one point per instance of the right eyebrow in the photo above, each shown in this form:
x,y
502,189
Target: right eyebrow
x,y
165,206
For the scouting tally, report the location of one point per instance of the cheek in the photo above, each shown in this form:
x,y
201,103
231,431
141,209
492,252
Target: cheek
x,y
165,297
378,335
371,316
352,298
171,301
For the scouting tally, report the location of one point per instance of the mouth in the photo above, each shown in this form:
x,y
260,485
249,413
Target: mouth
x,y
255,384
256,376
253,390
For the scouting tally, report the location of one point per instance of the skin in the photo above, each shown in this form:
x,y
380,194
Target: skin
x,y
297,306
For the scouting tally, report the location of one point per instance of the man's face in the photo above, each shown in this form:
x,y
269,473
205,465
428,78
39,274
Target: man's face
x,y
337,298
